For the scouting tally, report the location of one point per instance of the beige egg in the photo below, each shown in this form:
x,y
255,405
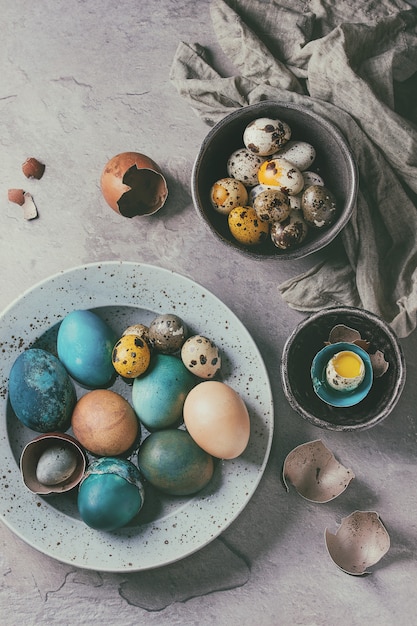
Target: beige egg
x,y
217,419
283,174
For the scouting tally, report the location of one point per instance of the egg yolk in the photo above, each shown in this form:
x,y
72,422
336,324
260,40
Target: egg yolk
x,y
347,364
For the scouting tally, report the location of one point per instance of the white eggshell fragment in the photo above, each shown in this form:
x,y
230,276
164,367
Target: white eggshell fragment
x,y
360,541
244,165
228,193
56,464
290,232
264,136
312,178
272,205
201,356
315,473
299,153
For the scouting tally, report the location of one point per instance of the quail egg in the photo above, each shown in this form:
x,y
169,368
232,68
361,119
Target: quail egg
x,y
131,356
281,173
345,371
167,333
319,206
264,136
244,165
299,153
312,178
227,193
290,232
201,356
246,226
272,205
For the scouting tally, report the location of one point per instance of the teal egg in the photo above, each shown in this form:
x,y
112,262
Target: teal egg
x,y
171,461
110,494
84,345
158,396
41,393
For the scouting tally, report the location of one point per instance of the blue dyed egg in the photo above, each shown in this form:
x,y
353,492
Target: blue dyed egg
x,y
85,344
41,393
110,494
158,396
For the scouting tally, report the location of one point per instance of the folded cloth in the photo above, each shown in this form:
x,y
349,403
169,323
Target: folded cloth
x,y
355,63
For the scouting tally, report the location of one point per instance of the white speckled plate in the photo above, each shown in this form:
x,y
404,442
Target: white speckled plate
x,y
167,529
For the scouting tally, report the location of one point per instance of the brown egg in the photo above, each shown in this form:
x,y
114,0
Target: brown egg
x,y
105,423
132,184
217,419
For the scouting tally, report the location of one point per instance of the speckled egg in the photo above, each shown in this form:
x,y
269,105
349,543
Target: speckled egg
x,y
272,205
318,205
227,193
244,165
312,178
255,191
167,333
264,136
299,153
201,356
140,330
246,226
131,356
281,173
41,393
289,233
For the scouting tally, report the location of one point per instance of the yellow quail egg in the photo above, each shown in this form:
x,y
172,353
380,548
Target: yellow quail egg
x,y
131,356
264,136
246,227
345,371
283,174
227,193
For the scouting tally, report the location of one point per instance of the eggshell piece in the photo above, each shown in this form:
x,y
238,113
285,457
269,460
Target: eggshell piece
x,y
16,196
32,168
281,173
315,473
217,419
360,542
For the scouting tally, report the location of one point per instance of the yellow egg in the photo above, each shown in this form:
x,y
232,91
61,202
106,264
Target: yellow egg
x,y
345,371
283,174
217,419
131,356
246,226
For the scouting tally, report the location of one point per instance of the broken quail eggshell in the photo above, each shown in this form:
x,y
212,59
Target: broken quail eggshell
x,y
133,184
272,205
264,136
341,332
340,395
227,193
32,168
360,542
52,463
315,473
244,165
290,232
16,196
299,153
318,205
282,174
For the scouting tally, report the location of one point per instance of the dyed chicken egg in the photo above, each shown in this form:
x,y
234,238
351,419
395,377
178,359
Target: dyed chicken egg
x,y
299,153
201,356
312,178
227,193
319,206
290,232
272,205
246,226
281,173
264,136
167,333
131,356
244,165
345,371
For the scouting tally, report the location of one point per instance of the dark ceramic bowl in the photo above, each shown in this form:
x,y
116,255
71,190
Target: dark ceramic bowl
x,y
309,337
334,162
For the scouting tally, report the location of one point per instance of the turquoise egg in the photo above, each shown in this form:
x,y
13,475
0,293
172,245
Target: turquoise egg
x,y
171,461
158,396
85,344
41,393
110,494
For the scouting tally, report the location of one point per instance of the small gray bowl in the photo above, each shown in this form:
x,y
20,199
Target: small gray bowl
x,y
334,162
309,337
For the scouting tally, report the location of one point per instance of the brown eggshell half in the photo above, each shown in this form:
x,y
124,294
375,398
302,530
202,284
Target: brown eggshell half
x,y
132,184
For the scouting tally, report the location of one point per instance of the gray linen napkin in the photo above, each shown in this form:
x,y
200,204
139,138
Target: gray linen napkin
x,y
355,63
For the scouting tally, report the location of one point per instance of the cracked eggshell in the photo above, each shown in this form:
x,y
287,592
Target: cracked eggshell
x,y
315,473
360,542
132,184
264,136
244,165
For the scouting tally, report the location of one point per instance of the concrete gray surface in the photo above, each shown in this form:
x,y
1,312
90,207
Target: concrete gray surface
x,y
80,82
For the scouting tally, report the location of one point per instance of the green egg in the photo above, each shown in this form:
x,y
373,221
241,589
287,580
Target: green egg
x,y
172,462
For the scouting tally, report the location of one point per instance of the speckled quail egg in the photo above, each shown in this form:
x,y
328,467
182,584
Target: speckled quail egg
x,y
319,206
244,165
312,178
295,202
131,356
227,193
255,191
140,330
272,205
345,371
290,232
167,333
246,227
201,356
264,136
299,153
281,173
